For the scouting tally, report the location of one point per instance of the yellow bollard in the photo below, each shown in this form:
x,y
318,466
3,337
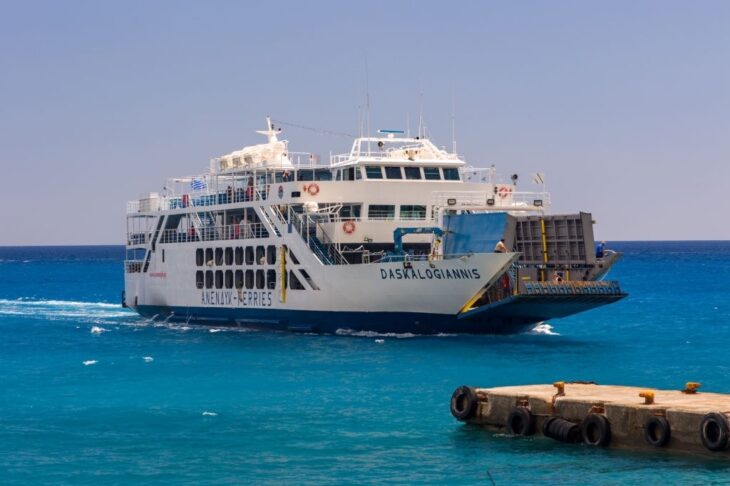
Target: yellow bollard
x,y
648,397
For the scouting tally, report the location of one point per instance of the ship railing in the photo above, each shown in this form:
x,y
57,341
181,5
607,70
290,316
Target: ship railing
x,y
138,238
319,242
507,200
600,287
133,266
215,233
482,175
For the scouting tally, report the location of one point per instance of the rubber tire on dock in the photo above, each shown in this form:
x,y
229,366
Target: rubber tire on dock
x,y
560,429
463,403
520,422
657,431
595,430
715,431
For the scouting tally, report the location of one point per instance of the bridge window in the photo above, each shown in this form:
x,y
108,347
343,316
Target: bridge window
x,y
229,279
260,279
249,279
374,172
451,174
229,256
199,279
432,173
219,256
393,173
219,279
412,173
239,255
209,279
199,257
413,212
239,279
381,211
350,211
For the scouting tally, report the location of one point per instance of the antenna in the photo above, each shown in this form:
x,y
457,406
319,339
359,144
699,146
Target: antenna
x,y
408,125
367,99
420,115
453,120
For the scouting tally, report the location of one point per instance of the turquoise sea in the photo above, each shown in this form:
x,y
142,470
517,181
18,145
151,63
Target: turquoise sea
x,y
90,393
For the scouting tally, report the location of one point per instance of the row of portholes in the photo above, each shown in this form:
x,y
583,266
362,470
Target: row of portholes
x,y
263,255
260,279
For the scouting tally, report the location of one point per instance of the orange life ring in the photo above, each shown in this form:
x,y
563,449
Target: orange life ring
x,y
348,227
312,189
504,191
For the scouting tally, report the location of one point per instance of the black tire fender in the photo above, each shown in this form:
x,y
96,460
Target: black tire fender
x,y
463,403
520,422
657,431
595,430
715,431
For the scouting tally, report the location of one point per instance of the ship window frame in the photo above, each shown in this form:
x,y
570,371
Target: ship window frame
x,y
228,255
238,279
372,170
390,172
452,171
410,211
260,279
200,279
209,256
432,173
238,252
260,255
387,214
199,257
249,255
209,279
414,176
271,255
248,279
228,277
218,257
271,279
219,279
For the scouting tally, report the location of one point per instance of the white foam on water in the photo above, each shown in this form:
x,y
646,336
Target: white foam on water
x,y
90,362
544,328
373,334
92,312
98,330
214,330
209,414
380,341
148,359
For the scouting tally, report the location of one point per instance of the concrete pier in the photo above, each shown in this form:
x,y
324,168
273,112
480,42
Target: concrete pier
x,y
602,415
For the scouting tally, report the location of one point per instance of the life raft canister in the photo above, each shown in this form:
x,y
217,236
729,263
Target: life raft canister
x,y
348,227
504,191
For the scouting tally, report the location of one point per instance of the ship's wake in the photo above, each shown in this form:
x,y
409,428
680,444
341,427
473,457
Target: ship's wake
x,y
543,328
87,312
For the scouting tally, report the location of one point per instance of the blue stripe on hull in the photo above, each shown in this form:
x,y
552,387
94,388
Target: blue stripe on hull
x,y
330,322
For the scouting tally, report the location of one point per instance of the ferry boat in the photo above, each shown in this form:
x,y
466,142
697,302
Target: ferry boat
x,y
396,236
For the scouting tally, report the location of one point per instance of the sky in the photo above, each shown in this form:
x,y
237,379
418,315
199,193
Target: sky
x,y
624,105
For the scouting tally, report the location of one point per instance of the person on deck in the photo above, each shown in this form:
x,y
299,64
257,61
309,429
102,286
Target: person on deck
x,y
500,247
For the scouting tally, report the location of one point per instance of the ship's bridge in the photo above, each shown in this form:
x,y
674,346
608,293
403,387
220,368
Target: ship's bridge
x,y
396,150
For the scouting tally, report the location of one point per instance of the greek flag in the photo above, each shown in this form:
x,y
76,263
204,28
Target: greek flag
x,y
197,184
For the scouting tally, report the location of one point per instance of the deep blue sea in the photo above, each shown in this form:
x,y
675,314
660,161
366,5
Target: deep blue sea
x,y
159,403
